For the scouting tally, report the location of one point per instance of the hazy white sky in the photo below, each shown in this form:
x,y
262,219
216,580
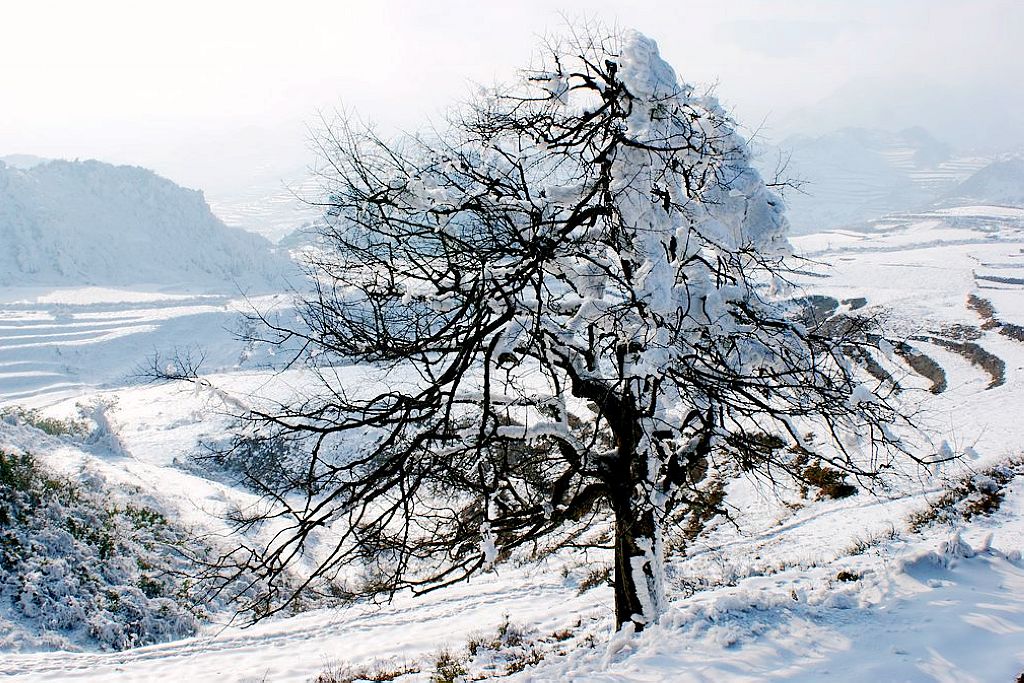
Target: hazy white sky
x,y
199,89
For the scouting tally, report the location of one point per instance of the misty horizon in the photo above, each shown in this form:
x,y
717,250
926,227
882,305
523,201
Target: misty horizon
x,y
218,99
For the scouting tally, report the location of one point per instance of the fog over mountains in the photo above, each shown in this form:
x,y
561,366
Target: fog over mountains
x,y
59,220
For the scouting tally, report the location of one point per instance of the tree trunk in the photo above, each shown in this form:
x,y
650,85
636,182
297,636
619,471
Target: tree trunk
x,y
638,589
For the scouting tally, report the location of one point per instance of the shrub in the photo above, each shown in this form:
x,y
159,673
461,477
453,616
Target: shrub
x,y
599,576
376,671
447,668
50,425
508,650
971,496
830,482
83,568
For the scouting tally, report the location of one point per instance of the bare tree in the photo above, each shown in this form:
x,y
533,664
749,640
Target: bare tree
x,y
569,298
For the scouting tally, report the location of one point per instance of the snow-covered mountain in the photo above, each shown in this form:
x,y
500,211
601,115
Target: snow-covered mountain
x,y
23,161
90,223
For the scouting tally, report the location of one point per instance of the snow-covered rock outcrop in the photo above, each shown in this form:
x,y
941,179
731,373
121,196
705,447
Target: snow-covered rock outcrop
x,y
74,223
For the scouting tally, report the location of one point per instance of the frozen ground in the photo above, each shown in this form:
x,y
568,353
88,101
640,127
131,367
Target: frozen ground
x,y
798,590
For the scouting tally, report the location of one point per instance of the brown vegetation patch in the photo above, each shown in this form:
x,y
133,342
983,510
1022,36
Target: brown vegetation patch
x,y
977,355
830,482
923,365
1014,332
984,309
959,332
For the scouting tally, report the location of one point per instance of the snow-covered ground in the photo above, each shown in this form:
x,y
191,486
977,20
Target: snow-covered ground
x,y
797,589
58,343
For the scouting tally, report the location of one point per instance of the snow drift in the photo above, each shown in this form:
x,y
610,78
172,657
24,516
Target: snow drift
x,y
74,223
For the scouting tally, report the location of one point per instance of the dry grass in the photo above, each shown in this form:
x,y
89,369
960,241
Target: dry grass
x,y
970,496
375,672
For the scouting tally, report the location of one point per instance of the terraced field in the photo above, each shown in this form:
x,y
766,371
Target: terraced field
x,y
69,342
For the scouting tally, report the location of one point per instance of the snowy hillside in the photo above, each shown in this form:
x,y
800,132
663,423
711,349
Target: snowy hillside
x,y
853,175
271,208
22,161
68,342
920,581
90,223
1001,182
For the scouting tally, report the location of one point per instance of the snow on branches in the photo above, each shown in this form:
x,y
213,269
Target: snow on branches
x,y
572,291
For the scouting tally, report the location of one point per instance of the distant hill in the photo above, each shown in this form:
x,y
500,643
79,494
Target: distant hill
x,y
853,175
91,223
23,160
1001,182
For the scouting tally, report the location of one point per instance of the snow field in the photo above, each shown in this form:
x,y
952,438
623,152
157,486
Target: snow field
x,y
66,342
796,589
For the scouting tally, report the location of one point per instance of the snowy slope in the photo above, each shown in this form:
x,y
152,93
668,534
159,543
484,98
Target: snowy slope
x,y
853,175
797,589
76,223
1001,182
67,342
